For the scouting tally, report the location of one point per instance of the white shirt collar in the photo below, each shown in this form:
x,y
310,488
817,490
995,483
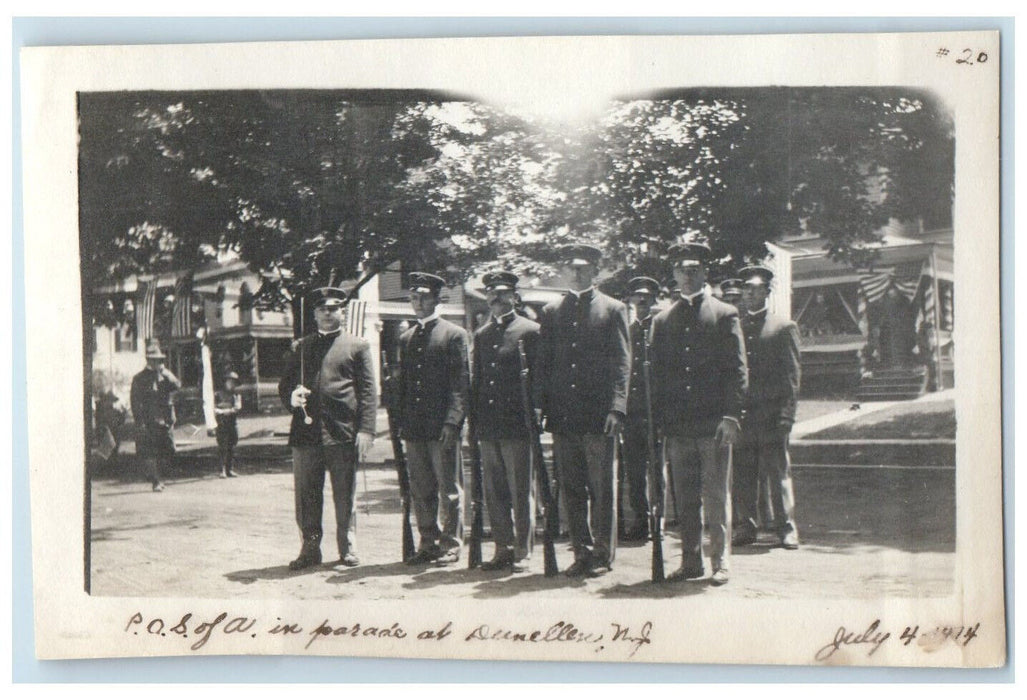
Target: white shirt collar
x,y
690,298
758,311
425,321
582,293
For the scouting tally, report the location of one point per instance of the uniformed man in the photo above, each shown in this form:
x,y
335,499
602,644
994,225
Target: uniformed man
x,y
432,399
772,349
731,291
584,369
699,380
499,423
642,294
153,412
330,379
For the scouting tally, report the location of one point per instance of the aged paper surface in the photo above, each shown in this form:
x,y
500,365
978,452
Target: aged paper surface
x,y
562,75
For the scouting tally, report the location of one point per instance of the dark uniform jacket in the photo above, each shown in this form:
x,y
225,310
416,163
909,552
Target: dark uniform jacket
x,y
340,374
497,406
772,349
151,398
698,366
584,362
636,395
433,381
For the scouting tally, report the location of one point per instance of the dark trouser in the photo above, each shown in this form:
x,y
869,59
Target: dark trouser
x,y
228,438
763,455
436,489
508,494
585,465
701,474
308,467
634,468
155,446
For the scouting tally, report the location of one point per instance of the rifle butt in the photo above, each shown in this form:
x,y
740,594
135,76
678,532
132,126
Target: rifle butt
x,y
549,557
656,530
474,547
408,533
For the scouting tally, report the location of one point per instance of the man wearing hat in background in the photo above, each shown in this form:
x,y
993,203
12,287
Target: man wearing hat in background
x,y
337,393
642,294
432,400
731,292
498,420
584,367
699,380
153,412
227,404
772,349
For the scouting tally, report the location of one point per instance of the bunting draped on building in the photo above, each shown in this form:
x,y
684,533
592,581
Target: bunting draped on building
x,y
181,312
875,286
356,314
146,310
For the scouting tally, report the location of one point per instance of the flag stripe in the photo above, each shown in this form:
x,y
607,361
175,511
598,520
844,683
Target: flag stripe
x,y
355,316
146,310
181,313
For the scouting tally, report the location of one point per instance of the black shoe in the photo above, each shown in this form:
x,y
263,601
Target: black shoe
x,y
307,558
450,556
502,560
639,533
687,573
423,556
744,536
580,568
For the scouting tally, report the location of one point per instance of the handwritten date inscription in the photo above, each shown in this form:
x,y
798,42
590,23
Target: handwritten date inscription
x,y
871,638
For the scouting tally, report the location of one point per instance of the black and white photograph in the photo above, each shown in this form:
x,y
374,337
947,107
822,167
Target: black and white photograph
x,y
551,348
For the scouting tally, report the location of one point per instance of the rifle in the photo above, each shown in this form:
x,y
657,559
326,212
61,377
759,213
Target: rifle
x,y
655,469
551,524
401,461
477,496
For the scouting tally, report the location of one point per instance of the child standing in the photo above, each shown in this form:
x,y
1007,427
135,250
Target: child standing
x,y
227,404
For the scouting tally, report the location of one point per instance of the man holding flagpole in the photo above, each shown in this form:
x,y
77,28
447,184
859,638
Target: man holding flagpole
x,y
330,383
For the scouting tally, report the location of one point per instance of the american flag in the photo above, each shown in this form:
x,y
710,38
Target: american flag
x,y
181,311
144,320
356,313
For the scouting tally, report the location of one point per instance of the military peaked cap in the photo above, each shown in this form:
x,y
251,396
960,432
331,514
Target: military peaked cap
x,y
681,252
500,281
579,255
426,283
732,285
756,274
328,296
644,285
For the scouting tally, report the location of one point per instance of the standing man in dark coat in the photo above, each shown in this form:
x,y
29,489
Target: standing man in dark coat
x,y
499,423
642,293
432,399
153,413
337,392
699,380
584,368
772,349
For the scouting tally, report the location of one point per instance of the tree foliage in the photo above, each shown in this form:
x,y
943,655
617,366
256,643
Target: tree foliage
x,y
312,186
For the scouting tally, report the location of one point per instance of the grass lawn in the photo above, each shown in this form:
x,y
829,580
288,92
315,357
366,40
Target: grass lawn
x,y
915,421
